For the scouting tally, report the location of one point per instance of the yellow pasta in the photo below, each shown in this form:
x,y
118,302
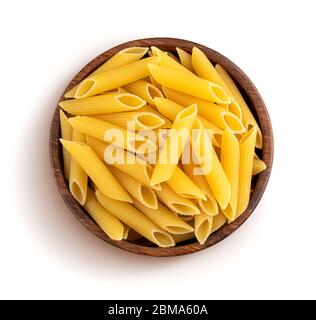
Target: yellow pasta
x,y
183,237
175,202
208,110
247,150
141,120
230,161
121,58
170,109
111,226
145,90
188,83
164,218
113,134
211,167
258,166
112,79
134,166
125,232
96,170
208,206
174,145
169,62
204,69
66,133
218,221
202,227
184,186
78,179
247,117
104,103
185,59
139,191
136,220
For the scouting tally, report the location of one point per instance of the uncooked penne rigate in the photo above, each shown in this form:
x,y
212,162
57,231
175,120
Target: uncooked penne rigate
x,y
160,145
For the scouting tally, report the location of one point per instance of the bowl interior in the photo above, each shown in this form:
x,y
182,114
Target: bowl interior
x,y
255,103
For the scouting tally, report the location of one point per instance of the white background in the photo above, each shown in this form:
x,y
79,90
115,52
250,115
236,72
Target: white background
x,y
46,253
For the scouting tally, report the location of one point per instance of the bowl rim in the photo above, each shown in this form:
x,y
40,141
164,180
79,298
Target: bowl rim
x,y
256,103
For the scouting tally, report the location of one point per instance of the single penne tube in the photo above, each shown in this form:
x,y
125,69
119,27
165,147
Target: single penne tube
x,y
184,186
185,59
164,218
188,83
174,145
66,133
247,151
175,202
208,206
104,103
136,220
145,90
230,156
112,79
247,116
121,58
131,164
139,191
258,166
212,112
202,227
78,179
96,170
169,62
141,120
113,134
111,225
218,221
170,109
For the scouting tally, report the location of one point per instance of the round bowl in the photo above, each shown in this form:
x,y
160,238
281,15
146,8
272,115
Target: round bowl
x,y
255,103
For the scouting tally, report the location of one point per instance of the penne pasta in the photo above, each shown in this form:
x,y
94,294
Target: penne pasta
x,y
185,59
66,133
104,103
111,226
164,218
218,221
184,186
258,166
141,120
113,134
188,83
212,112
247,150
112,79
96,170
183,237
208,206
145,90
174,145
142,193
230,162
247,117
136,220
202,227
78,179
169,109
175,202
169,62
121,58
136,167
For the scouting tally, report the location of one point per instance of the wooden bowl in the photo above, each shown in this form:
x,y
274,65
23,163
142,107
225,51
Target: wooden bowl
x,y
252,97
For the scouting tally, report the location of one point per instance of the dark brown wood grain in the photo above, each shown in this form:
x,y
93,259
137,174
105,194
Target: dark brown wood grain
x,y
256,105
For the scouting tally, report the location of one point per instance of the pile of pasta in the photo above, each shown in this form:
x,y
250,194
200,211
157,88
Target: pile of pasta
x,y
164,202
